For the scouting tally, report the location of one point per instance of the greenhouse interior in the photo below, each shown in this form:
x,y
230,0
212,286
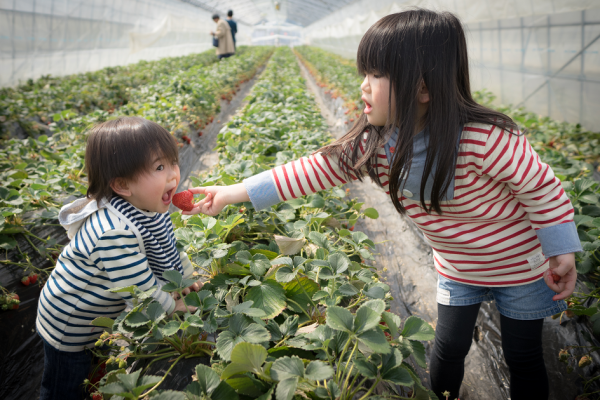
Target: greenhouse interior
x,y
186,211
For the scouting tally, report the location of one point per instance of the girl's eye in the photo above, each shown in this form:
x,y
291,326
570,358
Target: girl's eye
x,y
160,167
376,76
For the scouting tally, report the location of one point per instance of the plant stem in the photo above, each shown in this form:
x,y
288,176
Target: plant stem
x,y
163,378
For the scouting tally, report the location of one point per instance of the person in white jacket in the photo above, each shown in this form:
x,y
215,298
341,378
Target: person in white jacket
x,y
121,235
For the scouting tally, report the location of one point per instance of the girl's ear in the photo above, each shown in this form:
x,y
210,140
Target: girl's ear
x,y
423,93
120,187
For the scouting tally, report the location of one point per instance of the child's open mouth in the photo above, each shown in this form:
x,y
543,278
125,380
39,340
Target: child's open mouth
x,y
167,197
368,107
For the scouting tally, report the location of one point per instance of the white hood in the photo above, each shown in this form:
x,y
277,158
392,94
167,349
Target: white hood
x,y
74,214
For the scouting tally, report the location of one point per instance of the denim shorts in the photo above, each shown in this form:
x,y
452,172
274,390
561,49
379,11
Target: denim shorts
x,y
524,302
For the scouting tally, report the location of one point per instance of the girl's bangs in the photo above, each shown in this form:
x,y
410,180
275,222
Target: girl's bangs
x,y
372,54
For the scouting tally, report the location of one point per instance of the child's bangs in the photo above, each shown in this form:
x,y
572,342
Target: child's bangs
x,y
373,55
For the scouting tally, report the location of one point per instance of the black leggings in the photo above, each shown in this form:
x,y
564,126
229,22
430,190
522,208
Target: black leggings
x,y
521,343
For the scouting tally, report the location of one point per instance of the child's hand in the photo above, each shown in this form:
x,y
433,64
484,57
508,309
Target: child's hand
x,y
181,306
217,197
564,266
195,287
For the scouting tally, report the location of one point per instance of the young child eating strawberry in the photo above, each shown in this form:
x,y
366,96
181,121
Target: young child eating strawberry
x,y
121,235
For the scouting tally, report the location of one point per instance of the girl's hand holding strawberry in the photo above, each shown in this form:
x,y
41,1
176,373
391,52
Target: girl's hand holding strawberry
x,y
217,197
564,266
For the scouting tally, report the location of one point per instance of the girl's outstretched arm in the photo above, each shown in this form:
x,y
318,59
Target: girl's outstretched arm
x,y
302,177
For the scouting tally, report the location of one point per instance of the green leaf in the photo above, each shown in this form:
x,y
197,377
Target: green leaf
x,y
366,368
375,293
129,380
267,253
103,321
298,290
318,371
136,319
392,321
375,340
245,357
418,353
170,395
417,329
208,380
170,328
348,290
224,392
170,287
287,367
371,213
340,319
269,297
339,262
366,319
193,300
173,276
113,388
286,388
240,330
285,274
376,305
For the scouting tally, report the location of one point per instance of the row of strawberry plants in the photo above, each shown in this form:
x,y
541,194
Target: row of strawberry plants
x,y
336,74
572,151
38,174
31,106
289,308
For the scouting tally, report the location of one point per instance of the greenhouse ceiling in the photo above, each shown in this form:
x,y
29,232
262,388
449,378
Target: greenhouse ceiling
x,y
253,12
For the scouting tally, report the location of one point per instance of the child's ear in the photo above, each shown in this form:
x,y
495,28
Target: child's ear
x,y
120,187
423,93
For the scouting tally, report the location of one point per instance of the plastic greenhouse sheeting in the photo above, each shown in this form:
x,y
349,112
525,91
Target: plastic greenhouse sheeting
x,y
60,37
541,54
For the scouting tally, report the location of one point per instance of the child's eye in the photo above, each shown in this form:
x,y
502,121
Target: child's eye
x,y
160,167
376,76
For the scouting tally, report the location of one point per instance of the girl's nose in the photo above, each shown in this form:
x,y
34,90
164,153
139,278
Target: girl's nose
x,y
365,84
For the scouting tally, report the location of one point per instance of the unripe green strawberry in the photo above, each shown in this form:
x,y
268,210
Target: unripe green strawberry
x,y
99,343
563,355
122,364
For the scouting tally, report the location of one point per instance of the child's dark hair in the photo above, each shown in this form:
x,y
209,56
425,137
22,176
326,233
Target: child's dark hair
x,y
411,48
124,147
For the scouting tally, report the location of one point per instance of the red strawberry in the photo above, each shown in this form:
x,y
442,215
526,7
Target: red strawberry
x,y
555,277
184,108
352,228
97,396
33,277
199,133
184,200
25,281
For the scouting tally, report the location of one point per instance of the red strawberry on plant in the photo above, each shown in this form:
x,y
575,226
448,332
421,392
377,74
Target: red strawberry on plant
x,y
97,396
184,200
25,281
33,278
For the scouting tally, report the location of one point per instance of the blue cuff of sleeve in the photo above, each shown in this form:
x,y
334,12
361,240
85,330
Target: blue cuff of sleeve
x,y
559,239
261,190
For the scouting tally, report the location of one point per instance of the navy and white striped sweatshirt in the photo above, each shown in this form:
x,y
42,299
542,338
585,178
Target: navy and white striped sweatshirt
x,y
113,244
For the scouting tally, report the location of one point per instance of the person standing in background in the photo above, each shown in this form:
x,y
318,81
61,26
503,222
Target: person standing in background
x,y
232,25
223,34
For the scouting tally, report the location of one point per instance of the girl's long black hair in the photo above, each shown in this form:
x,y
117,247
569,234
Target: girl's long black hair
x,y
411,48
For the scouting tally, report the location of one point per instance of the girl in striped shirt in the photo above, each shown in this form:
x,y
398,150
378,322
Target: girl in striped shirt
x,y
121,235
495,215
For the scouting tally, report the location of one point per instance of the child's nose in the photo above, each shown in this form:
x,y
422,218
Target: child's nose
x,y
365,84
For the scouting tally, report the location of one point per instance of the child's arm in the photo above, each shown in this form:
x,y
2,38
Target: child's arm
x,y
510,159
116,253
301,177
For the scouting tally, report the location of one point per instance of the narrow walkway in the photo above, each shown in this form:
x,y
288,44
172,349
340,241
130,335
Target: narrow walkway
x,y
200,156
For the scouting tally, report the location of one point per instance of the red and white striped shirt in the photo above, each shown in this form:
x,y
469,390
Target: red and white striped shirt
x,y
490,233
